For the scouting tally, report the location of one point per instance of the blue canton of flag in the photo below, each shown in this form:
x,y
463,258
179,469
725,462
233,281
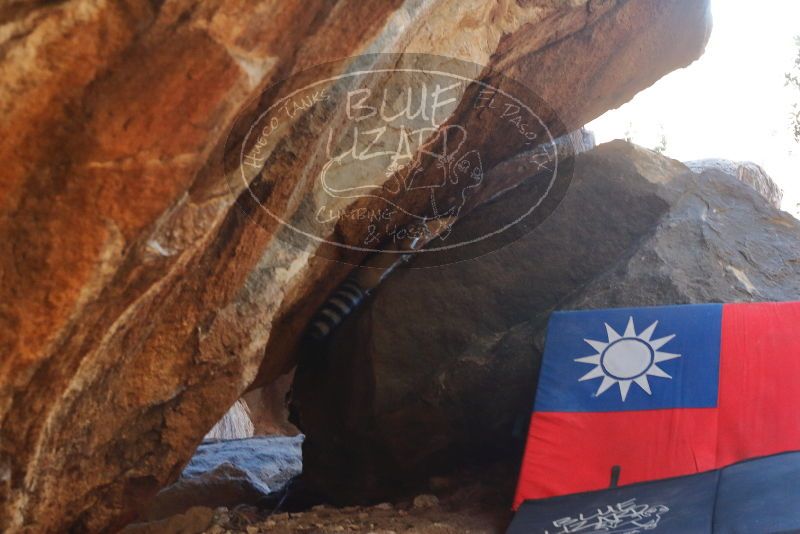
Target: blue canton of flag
x,y
631,359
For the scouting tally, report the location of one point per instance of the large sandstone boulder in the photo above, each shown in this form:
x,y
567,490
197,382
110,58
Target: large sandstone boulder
x,y
439,367
141,292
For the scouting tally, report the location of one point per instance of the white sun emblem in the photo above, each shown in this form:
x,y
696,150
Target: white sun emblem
x,y
627,358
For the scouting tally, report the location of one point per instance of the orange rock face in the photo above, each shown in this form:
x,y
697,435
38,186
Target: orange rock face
x,y
137,300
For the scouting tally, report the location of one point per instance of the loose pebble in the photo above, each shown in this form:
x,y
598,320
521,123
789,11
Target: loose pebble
x,y
426,501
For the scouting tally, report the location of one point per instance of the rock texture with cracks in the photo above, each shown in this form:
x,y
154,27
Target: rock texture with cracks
x,y
137,301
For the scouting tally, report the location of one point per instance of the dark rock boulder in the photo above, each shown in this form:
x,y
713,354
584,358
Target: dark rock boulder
x,y
438,370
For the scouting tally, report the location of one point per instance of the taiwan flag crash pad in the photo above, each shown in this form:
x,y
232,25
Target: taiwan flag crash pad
x,y
653,393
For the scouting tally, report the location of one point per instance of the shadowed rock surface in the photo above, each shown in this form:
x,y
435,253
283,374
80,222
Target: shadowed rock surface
x,y
268,408
437,371
138,301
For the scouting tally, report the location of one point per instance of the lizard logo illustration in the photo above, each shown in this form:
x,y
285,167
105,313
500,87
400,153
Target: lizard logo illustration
x,y
387,151
440,168
622,518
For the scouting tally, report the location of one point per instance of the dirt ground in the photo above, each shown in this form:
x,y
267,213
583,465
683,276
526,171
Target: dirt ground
x,y
426,515
454,506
